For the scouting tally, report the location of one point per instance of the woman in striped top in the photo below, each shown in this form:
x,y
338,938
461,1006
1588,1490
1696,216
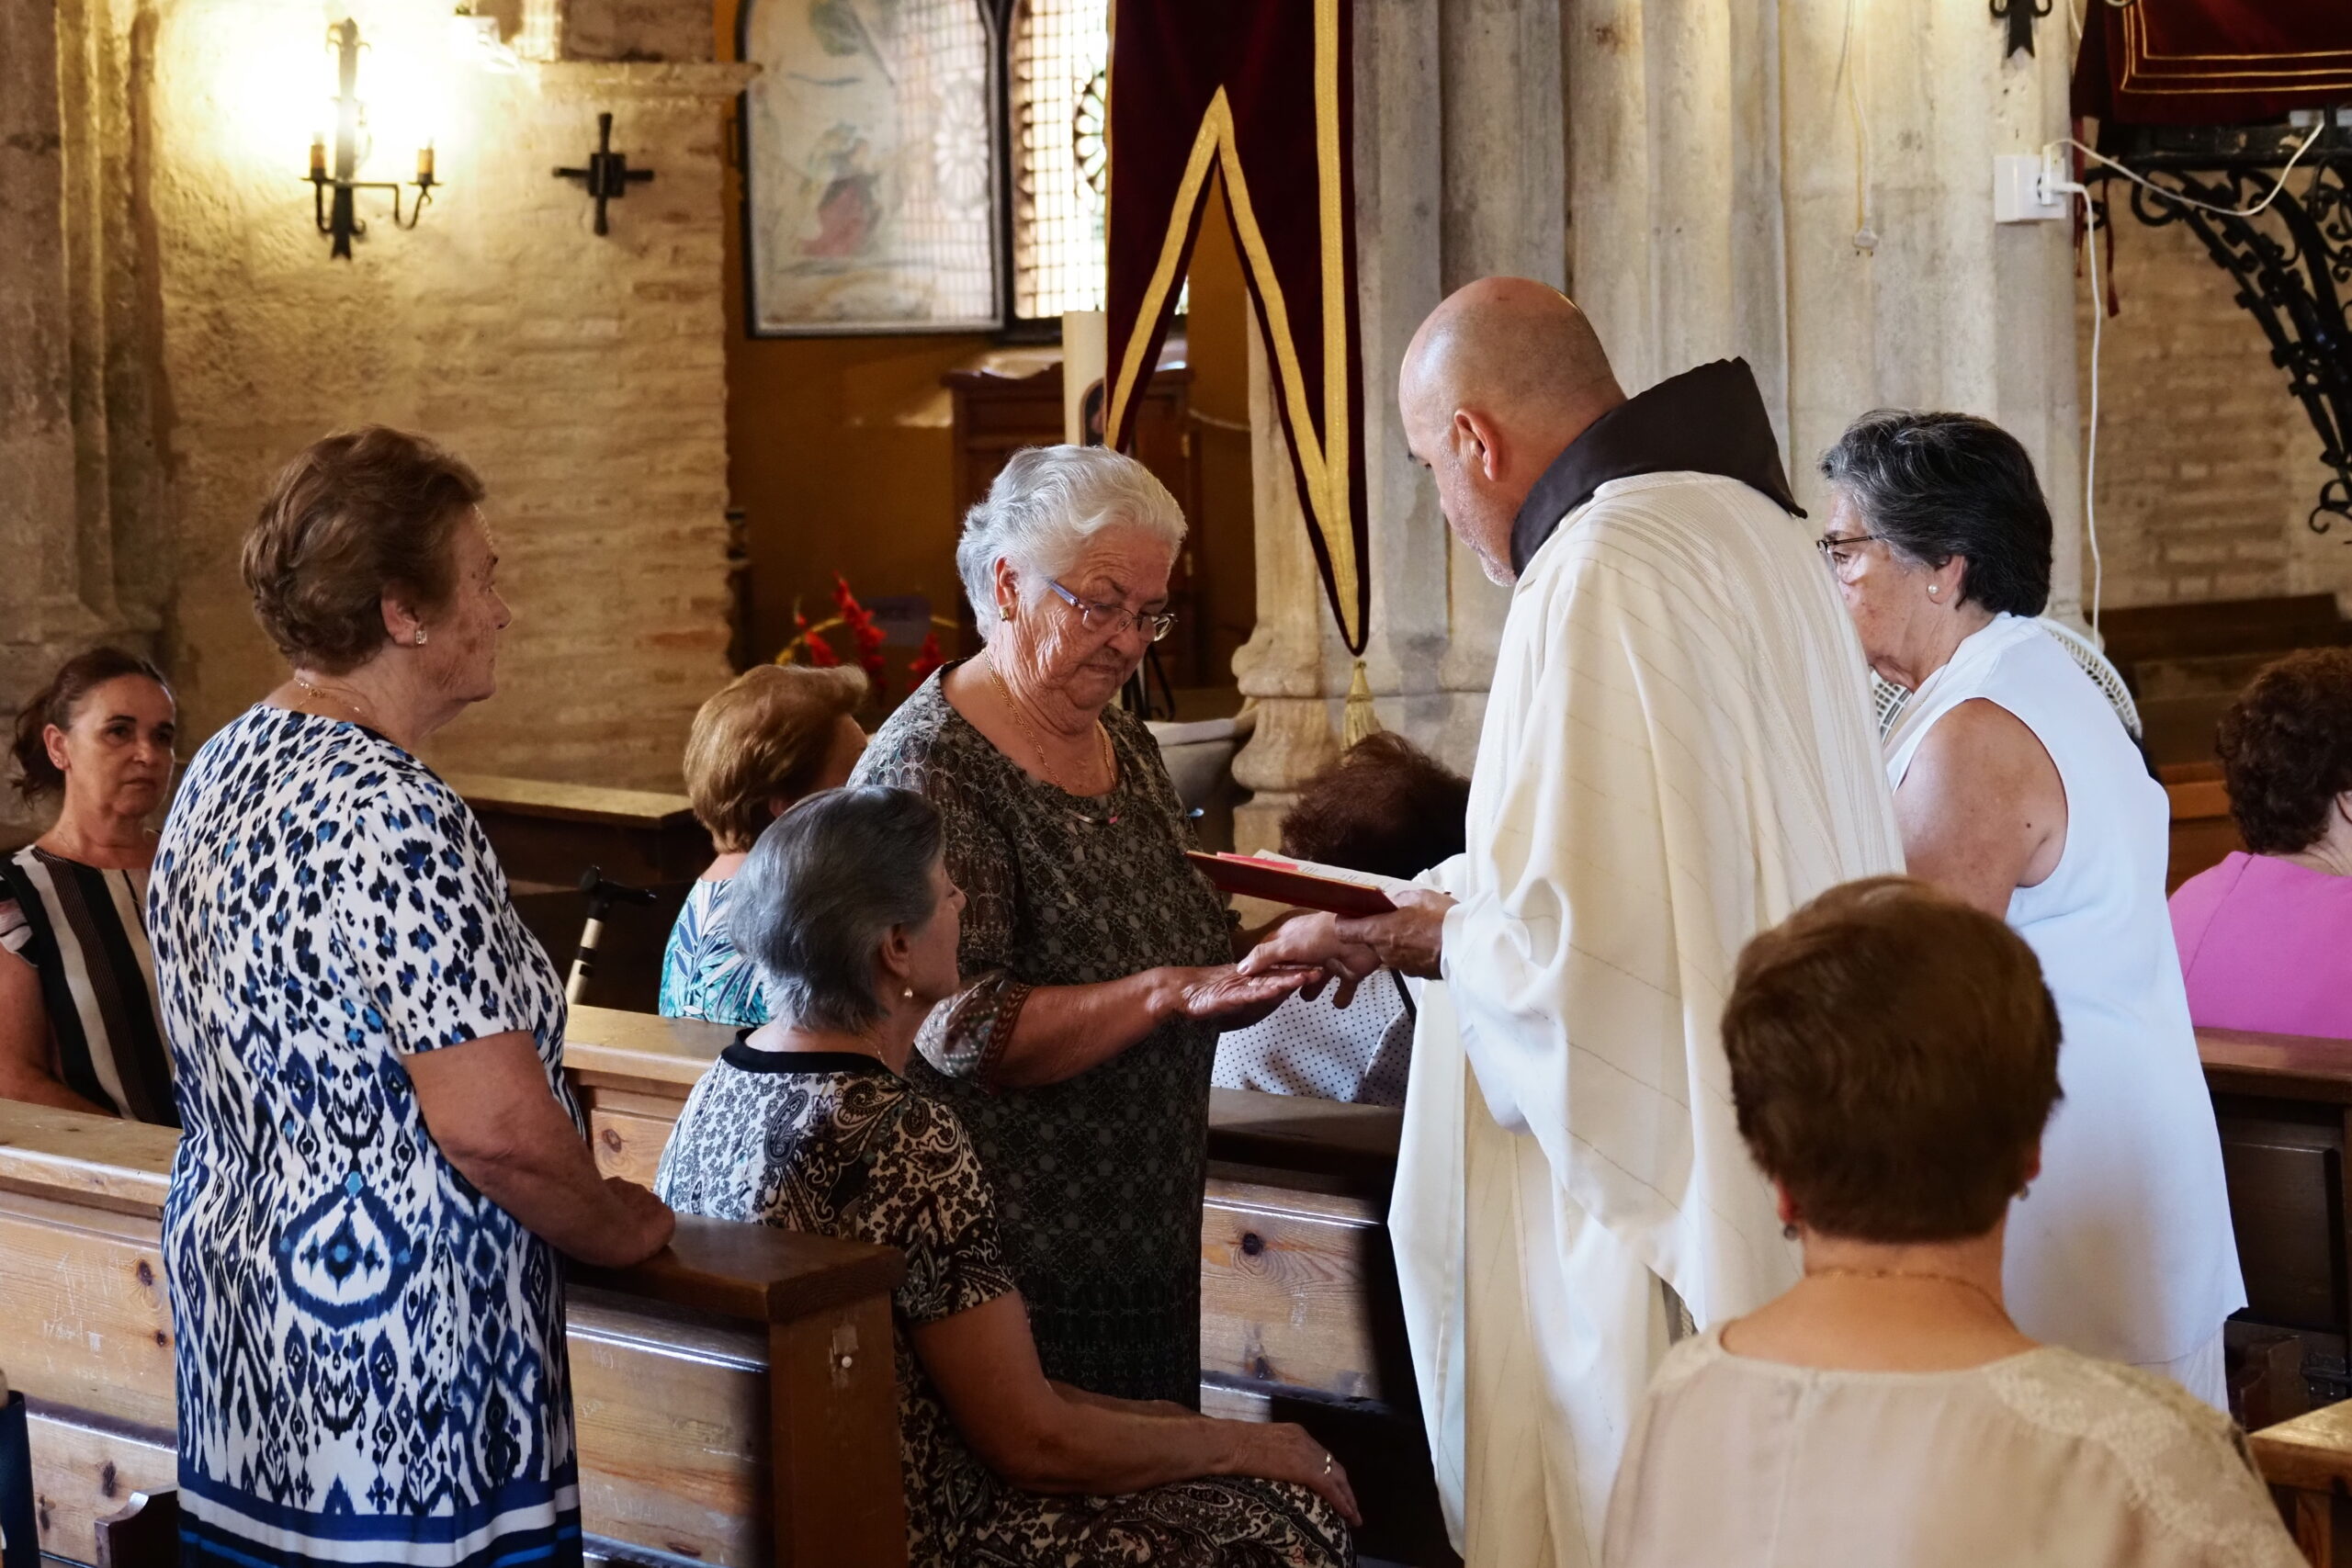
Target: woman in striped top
x,y
77,984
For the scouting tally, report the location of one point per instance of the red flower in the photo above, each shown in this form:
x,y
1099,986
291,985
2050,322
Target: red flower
x,y
821,656
927,658
865,635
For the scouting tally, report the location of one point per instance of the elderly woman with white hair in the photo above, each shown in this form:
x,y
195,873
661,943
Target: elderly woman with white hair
x,y
1097,964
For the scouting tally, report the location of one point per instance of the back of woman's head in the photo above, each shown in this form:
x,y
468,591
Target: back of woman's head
x,y
823,887
763,738
59,703
1893,1057
1385,807
359,514
2286,749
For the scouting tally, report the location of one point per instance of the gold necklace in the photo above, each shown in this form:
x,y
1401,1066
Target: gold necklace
x,y
319,694
1988,1296
1038,741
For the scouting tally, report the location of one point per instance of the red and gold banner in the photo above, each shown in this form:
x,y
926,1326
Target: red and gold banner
x,y
1257,92
2211,61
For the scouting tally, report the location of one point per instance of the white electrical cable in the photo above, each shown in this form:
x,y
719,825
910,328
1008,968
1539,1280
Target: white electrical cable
x,y
2173,196
1865,233
2090,457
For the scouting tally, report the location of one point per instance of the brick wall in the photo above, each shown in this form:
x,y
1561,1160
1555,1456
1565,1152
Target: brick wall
x,y
2207,467
583,377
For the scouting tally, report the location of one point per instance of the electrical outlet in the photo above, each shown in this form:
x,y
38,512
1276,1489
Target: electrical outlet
x,y
2025,190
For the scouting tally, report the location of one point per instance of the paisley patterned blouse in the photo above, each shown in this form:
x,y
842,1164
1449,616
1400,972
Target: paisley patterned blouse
x,y
837,1144
1098,1179
371,1353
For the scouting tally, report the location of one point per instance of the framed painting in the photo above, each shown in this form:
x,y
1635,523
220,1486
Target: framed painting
x,y
869,167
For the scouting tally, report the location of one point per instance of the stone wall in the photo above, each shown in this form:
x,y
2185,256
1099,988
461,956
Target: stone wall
x,y
584,376
2207,467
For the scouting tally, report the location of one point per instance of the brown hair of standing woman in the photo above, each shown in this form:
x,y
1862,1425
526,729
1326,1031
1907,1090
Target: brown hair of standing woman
x,y
57,704
361,514
1893,1057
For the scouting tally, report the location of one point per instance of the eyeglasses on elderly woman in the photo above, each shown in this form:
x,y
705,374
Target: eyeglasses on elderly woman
x,y
1109,620
1840,550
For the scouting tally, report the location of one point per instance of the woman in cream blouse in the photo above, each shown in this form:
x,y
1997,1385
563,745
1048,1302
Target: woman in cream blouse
x,y
1893,1057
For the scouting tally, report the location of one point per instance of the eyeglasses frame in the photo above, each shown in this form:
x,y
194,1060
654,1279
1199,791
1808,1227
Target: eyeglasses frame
x,y
1155,625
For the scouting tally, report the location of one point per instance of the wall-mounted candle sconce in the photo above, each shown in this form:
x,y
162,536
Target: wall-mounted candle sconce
x,y
337,218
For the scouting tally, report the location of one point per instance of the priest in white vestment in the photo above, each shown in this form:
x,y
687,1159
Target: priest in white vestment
x,y
1678,752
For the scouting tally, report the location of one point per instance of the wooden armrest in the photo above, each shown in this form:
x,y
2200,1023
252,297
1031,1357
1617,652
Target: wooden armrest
x,y
100,1162
571,802
756,1272
2289,1066
2312,1452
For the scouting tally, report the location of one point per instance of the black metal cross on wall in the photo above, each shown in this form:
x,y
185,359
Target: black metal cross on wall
x,y
607,175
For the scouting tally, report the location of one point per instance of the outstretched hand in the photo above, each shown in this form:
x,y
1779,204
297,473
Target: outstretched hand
x,y
1410,940
1223,994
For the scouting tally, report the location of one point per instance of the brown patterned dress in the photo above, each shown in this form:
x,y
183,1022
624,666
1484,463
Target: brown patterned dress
x,y
836,1145
1098,1179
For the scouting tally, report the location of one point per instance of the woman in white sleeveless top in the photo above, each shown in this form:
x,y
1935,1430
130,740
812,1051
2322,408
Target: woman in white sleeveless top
x,y
2018,789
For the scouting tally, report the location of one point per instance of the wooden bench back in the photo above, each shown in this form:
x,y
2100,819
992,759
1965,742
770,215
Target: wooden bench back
x,y
735,1397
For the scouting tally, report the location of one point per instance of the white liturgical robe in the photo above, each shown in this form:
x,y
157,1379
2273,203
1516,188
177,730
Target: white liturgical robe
x,y
1677,752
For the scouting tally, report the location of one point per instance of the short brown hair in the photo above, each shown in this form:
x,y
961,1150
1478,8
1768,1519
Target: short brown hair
x,y
764,738
2286,747
1894,1058
360,513
58,702
1387,807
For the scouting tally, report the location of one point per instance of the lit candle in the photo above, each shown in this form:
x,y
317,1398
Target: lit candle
x,y
318,157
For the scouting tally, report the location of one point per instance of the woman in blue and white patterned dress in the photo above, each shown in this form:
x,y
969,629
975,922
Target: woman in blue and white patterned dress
x,y
380,1158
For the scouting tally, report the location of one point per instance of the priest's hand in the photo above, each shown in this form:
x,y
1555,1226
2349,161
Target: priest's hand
x,y
1313,942
1411,940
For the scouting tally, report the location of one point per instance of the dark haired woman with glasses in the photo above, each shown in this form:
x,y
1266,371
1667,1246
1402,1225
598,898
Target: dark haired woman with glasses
x,y
2018,791
1097,964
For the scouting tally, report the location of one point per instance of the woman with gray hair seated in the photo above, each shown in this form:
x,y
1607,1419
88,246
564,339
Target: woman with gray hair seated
x,y
1097,963
2018,791
847,908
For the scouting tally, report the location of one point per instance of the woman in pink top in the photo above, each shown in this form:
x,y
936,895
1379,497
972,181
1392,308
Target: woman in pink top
x,y
2265,936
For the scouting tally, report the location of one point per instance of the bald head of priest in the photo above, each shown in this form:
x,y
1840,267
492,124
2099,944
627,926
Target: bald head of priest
x,y
1499,381
1676,752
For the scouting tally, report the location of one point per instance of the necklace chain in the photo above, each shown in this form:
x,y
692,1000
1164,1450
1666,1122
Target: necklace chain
x,y
318,693
1038,740
1834,1271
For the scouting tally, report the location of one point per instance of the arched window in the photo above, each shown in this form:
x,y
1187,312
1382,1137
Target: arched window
x,y
923,165
1058,59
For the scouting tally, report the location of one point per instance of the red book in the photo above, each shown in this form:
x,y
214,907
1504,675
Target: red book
x,y
1281,882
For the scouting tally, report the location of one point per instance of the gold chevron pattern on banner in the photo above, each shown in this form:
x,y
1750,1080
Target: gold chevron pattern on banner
x,y
1324,446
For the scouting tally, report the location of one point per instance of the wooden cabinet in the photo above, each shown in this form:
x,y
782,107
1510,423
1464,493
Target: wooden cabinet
x,y
997,415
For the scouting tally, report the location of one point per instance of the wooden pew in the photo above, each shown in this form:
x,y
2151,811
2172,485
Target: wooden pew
x,y
2203,833
1300,1319
735,1397
2283,1105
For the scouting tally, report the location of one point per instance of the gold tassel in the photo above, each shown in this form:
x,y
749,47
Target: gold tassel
x,y
1358,720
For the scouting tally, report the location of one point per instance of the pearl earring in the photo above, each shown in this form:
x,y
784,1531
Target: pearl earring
x,y
1935,591
909,994
1788,1232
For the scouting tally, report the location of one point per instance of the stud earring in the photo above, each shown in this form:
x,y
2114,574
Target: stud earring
x,y
1789,1231
1935,591
1005,612
419,639
909,994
